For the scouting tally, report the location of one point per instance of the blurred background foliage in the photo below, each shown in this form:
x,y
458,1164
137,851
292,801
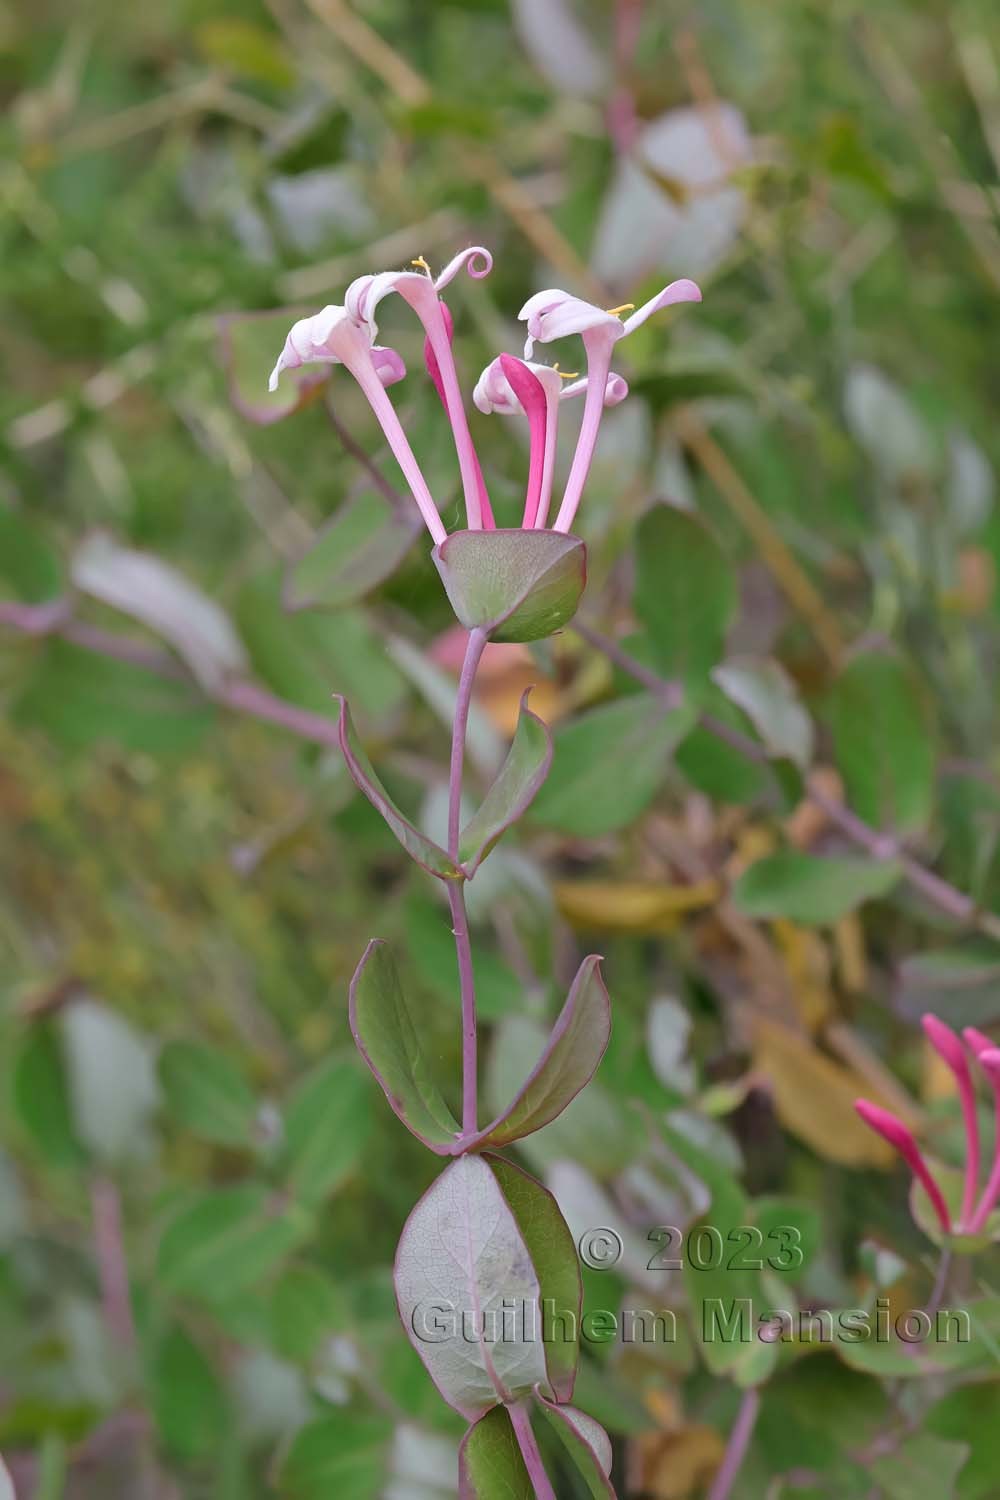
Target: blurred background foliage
x,y
187,888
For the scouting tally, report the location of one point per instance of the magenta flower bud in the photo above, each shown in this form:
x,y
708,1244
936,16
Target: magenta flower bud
x,y
902,1140
989,1061
947,1045
977,1041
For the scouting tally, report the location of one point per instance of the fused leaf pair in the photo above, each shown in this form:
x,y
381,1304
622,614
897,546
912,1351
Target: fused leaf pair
x,y
491,1463
518,780
388,1040
490,1295
516,585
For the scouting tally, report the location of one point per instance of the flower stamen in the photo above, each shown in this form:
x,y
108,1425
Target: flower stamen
x,y
418,260
615,312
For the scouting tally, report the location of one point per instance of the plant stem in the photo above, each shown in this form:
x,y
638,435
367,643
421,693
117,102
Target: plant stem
x,y
736,1448
112,1268
456,888
521,1423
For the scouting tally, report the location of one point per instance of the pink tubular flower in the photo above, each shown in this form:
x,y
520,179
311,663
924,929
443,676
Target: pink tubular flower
x,y
974,1216
901,1139
947,1045
555,315
989,1061
347,335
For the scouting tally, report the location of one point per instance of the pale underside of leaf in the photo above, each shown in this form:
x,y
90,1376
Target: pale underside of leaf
x,y
585,1441
461,1264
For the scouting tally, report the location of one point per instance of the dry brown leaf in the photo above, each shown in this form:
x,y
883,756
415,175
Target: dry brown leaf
x,y
678,1465
631,906
852,967
808,966
814,1097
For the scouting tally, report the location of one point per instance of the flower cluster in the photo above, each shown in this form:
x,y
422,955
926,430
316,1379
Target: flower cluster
x,y
976,1207
347,335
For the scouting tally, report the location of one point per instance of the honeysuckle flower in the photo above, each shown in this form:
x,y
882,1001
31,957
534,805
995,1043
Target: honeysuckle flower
x,y
334,337
420,290
346,334
555,314
973,1215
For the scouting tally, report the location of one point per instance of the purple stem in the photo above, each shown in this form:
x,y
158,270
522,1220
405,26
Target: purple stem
x,y
456,889
736,1448
112,1269
521,1422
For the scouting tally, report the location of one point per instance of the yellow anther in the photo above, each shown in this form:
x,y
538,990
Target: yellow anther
x,y
419,261
566,374
614,312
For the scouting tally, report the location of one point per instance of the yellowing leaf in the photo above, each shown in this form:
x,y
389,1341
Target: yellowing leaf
x,y
678,1465
632,905
814,1097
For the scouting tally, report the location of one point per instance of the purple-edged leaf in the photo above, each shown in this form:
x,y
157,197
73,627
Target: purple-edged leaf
x,y
420,848
520,776
387,1040
247,344
574,1048
490,1462
468,1291
152,591
361,546
553,1255
519,585
586,1443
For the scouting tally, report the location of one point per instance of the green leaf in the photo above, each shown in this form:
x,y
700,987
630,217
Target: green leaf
x,y
769,698
792,1232
517,783
553,1255
247,345
883,741
388,1041
307,1307
42,1098
308,657
187,1399
227,1241
808,889
27,562
568,1062
82,700
968,1416
594,1128
685,594
922,1465
963,981
586,1445
420,848
327,1121
336,1456
518,585
490,1463
358,549
586,793
207,1093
